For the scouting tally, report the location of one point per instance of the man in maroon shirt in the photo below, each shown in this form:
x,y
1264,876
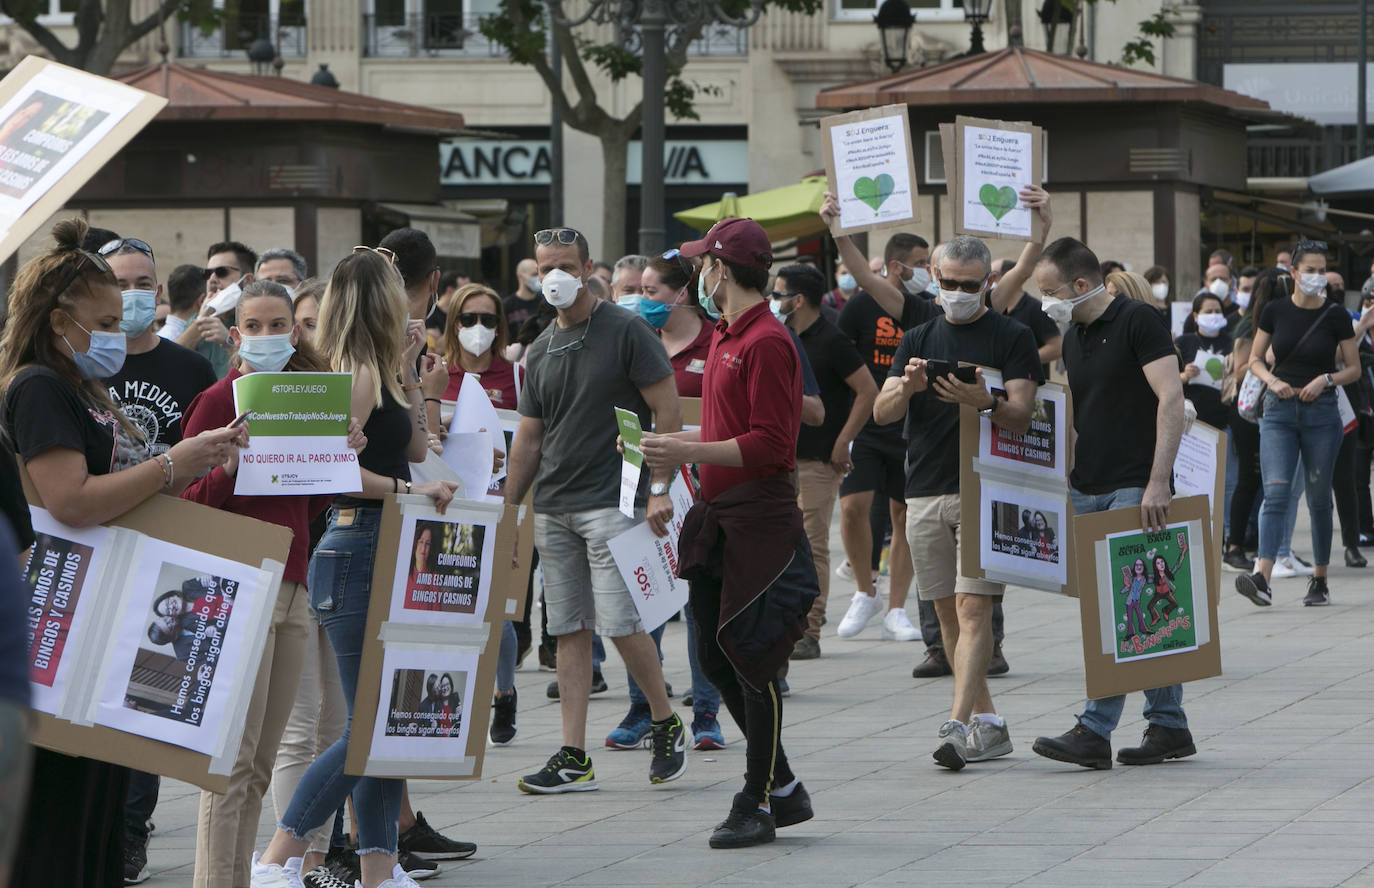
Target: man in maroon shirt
x,y
743,548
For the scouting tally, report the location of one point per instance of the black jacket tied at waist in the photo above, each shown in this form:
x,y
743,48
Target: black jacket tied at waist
x,y
751,541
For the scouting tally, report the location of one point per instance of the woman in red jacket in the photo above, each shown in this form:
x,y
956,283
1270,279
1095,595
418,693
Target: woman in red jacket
x,y
268,340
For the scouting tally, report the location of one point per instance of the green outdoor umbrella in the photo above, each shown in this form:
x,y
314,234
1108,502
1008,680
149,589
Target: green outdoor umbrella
x,y
785,213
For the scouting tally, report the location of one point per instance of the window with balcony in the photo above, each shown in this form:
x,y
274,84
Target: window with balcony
x,y
238,23
926,10
410,28
51,12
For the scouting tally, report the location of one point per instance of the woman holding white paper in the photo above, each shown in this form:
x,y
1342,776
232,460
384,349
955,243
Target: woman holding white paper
x,y
89,465
363,330
1204,357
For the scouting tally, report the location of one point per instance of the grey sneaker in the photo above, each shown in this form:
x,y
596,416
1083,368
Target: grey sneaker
x,y
951,753
987,741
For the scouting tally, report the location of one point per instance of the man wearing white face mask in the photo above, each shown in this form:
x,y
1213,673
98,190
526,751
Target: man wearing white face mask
x,y
1128,415
158,381
626,281
1217,282
972,333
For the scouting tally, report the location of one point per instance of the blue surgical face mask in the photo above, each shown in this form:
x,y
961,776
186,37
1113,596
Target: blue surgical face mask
x,y
104,357
847,283
629,302
268,354
708,300
140,307
657,313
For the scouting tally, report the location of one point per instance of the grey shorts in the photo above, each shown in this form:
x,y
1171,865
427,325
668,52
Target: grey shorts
x,y
932,530
583,588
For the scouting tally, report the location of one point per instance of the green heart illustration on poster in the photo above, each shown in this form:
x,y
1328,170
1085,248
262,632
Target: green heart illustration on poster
x,y
999,201
1215,368
874,191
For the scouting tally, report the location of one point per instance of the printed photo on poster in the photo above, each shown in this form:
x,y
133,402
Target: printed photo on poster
x,y
1023,535
425,704
1156,598
445,567
1041,450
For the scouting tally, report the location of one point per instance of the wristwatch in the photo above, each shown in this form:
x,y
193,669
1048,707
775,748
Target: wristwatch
x,y
658,488
990,409
1330,381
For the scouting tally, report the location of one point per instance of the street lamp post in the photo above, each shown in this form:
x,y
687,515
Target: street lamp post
x,y
646,25
894,20
976,13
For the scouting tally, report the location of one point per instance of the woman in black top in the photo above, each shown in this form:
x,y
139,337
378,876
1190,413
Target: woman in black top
x,y
363,330
89,465
1308,335
1204,360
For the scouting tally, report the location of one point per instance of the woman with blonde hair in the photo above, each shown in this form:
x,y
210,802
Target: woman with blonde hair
x,y
363,330
89,465
1132,285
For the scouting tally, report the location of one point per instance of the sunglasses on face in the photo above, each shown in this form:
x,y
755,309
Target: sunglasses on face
x,y
388,255
83,257
780,295
119,243
965,286
223,271
470,318
565,236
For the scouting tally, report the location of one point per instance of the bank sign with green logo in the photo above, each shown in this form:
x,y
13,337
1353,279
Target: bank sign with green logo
x,y
298,434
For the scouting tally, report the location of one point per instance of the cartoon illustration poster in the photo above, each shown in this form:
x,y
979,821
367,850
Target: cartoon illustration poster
x,y
1154,602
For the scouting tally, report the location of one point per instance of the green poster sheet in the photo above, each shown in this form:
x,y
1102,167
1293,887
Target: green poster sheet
x,y
298,430
627,423
1154,604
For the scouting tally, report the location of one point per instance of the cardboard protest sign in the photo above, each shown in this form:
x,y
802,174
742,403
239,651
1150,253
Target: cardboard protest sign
x,y
58,127
991,162
1200,468
870,168
648,563
432,639
1148,600
299,442
148,633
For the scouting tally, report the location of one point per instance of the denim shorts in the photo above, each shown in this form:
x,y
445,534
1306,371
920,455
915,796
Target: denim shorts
x,y
583,588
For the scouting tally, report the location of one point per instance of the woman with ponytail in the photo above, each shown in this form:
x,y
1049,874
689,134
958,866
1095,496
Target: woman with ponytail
x,y
89,465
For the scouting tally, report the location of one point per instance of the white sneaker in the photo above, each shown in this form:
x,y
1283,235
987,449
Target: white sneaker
x,y
880,583
1301,565
274,875
844,571
897,627
986,740
1285,569
862,609
399,879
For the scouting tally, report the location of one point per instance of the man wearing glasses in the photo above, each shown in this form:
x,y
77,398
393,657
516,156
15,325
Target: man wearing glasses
x,y
928,394
593,358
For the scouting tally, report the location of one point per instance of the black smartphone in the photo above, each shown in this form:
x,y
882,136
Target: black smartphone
x,y
938,368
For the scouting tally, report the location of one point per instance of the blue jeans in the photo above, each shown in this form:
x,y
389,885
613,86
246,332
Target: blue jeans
x,y
340,581
1290,520
1163,706
1232,478
1289,430
705,697
505,658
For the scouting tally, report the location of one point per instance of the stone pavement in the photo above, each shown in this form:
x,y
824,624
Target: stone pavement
x,y
1280,794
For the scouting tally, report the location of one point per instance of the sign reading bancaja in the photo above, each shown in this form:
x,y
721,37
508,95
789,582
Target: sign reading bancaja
x,y
528,162
298,434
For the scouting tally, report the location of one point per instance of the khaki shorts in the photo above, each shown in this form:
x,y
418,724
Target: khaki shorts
x,y
932,530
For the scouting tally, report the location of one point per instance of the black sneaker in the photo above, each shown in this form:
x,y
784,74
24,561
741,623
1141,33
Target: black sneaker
x,y
567,770
344,864
793,808
424,841
668,740
1317,593
745,826
415,866
933,666
1078,747
548,659
1158,744
323,877
599,686
1235,560
1256,588
135,862
998,665
503,724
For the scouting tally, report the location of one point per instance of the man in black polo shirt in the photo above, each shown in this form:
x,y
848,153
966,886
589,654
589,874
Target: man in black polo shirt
x,y
969,332
1128,415
847,391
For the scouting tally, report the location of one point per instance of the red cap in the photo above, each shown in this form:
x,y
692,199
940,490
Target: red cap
x,y
737,241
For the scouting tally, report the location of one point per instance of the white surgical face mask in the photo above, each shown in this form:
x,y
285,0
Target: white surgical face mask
x,y
560,288
1219,288
775,305
960,306
1061,310
1311,284
917,283
1160,291
476,339
1211,324
268,353
224,301
1242,298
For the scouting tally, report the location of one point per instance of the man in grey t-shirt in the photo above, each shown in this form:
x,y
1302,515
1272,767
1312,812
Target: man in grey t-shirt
x,y
594,358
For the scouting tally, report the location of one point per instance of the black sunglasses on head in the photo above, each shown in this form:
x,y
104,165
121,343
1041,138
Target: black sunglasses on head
x,y
565,236
471,318
83,256
114,246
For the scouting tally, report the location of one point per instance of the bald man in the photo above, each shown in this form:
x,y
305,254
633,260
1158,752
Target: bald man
x,y
524,303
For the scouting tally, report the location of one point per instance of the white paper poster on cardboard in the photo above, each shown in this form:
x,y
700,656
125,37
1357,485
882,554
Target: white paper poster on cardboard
x,y
997,164
424,710
444,567
1023,535
1211,368
1042,449
872,171
1195,465
648,563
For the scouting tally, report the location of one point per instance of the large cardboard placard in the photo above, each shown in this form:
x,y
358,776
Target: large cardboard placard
x,y
1148,601
870,168
138,686
991,161
425,682
58,127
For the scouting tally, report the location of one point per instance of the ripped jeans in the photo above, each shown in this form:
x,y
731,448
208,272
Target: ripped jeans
x,y
340,582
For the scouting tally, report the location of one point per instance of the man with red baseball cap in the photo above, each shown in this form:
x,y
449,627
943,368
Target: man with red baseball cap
x,y
743,548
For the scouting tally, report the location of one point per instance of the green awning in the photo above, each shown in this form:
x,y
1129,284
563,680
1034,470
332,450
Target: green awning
x,y
791,211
